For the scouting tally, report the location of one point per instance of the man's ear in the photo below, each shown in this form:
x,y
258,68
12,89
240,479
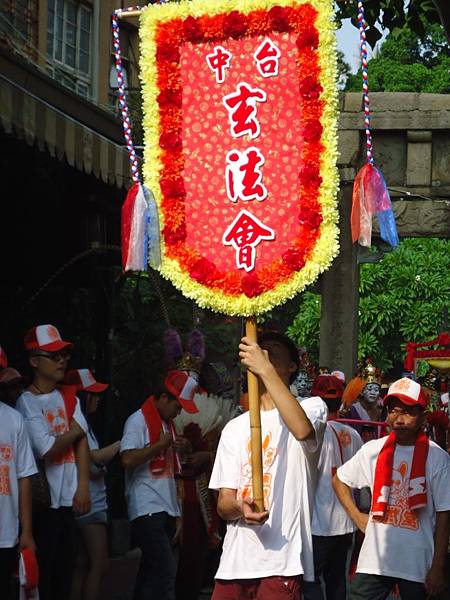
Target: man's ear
x,y
33,361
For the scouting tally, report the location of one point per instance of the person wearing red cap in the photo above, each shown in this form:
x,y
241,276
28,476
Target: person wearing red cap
x,y
57,430
265,553
92,555
12,385
17,465
407,531
332,529
149,451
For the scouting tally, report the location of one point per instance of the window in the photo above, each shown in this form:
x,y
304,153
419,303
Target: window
x,y
69,41
19,26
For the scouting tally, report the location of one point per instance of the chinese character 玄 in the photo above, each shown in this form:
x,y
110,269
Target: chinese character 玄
x,y
241,107
244,234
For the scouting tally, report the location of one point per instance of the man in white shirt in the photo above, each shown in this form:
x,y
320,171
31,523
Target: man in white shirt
x,y
149,449
407,531
264,554
57,431
332,529
16,466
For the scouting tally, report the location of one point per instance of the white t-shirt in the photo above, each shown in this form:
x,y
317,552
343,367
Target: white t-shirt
x,y
45,417
403,544
97,487
16,462
282,545
147,493
329,516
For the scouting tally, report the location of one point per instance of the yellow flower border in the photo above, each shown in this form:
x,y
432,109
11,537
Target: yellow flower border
x,y
327,246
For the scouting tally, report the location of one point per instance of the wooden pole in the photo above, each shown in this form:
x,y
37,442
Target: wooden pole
x,y
255,424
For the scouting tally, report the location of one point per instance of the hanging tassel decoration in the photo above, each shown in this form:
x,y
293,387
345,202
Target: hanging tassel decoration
x,y
135,218
370,193
173,348
196,344
153,236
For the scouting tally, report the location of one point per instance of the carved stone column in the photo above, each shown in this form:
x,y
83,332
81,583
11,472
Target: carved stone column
x,y
340,293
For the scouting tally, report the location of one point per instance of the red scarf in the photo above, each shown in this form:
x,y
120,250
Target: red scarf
x,y
383,476
155,427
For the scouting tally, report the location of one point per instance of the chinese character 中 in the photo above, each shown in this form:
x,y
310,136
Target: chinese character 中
x,y
243,175
218,61
241,107
266,57
244,234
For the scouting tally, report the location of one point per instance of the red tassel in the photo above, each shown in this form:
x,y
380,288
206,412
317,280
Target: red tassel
x,y
127,218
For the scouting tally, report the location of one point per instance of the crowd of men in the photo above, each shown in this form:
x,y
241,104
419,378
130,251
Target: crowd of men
x,y
327,495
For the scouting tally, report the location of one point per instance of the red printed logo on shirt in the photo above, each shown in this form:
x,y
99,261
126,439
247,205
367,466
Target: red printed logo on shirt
x,y
398,513
5,484
269,453
57,422
6,452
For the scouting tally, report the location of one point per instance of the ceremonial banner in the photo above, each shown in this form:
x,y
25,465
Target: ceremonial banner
x,y
240,116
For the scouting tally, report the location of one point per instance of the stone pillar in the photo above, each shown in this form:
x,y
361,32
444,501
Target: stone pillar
x,y
340,285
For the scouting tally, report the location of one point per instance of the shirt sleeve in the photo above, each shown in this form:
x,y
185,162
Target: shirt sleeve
x,y
227,468
40,437
353,473
317,412
79,417
440,488
134,437
25,463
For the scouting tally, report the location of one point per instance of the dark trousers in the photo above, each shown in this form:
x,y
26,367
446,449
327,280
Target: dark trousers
x,y
378,587
158,568
330,558
54,534
8,564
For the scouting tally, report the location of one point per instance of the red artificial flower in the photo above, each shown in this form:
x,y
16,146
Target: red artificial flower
x,y
172,188
312,131
170,141
309,175
192,30
168,53
309,39
173,236
251,286
170,97
294,259
203,270
310,88
279,18
310,217
234,24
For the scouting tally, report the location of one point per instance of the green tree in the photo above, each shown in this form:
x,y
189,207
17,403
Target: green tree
x,y
408,63
402,299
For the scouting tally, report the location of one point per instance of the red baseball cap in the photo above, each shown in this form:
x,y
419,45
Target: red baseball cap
x,y
45,337
327,386
407,391
83,379
183,387
3,359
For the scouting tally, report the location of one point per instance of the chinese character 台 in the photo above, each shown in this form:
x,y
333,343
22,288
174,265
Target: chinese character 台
x,y
241,108
267,56
244,234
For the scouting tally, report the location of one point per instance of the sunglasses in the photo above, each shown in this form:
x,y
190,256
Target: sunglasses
x,y
62,355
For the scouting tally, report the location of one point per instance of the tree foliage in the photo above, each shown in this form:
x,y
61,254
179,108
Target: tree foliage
x,y
408,63
394,14
402,298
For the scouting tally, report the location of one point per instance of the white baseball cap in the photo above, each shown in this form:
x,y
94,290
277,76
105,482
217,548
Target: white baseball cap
x,y
407,391
45,337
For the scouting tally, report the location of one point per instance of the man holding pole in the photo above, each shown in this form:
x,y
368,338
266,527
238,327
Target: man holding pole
x,y
266,551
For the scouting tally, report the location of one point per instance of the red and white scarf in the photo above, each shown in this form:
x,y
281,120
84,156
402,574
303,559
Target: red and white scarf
x,y
417,497
155,427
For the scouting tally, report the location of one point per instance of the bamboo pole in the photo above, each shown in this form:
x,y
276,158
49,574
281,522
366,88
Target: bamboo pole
x,y
255,424
127,14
